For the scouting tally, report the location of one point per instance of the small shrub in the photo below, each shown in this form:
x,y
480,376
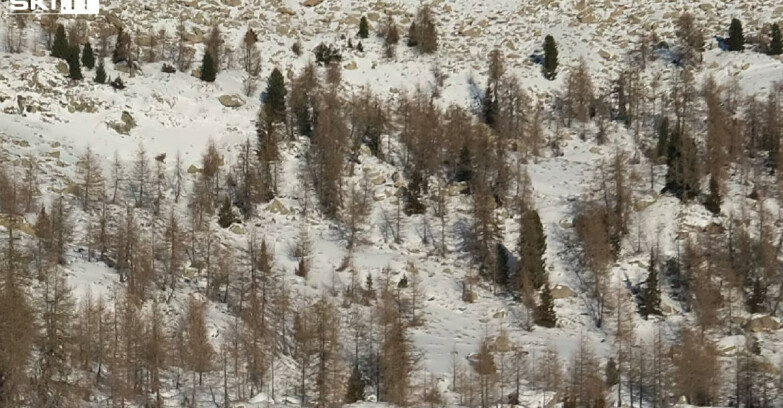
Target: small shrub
x,y
117,83
326,54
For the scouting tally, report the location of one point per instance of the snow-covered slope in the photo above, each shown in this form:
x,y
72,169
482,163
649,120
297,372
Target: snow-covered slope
x,y
46,119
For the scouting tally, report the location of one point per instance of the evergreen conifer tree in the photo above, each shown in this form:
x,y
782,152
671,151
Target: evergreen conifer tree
x,y
489,106
531,247
364,28
757,297
275,96
208,73
464,171
652,294
226,217
412,195
355,391
545,313
663,137
736,40
712,203
403,283
501,277
413,36
60,47
74,68
100,73
88,59
776,43
550,58
302,269
682,175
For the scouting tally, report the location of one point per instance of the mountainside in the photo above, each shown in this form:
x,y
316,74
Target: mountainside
x,y
387,222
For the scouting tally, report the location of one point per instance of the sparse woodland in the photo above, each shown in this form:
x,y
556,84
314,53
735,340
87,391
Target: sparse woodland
x,y
162,229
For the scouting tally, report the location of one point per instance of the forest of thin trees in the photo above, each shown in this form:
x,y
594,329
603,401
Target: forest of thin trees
x,y
160,228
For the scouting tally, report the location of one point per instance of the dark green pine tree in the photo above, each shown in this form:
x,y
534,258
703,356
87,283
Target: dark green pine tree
x,y
74,68
275,96
356,384
100,73
412,195
502,273
776,43
545,312
413,35
489,106
736,40
652,293
464,171
682,175
364,28
208,73
550,58
531,247
88,59
757,297
60,46
712,202
226,216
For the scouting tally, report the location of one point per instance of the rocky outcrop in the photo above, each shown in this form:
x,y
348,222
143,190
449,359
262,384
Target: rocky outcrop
x,y
231,101
762,324
562,292
276,207
124,125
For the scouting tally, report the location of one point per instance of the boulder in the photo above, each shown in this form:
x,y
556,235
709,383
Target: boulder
x,y
472,32
714,228
351,21
276,207
642,204
562,292
124,125
312,3
499,315
762,324
62,67
231,101
587,17
237,229
81,105
286,11
378,180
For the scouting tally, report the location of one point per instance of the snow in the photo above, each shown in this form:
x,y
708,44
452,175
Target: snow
x,y
179,113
